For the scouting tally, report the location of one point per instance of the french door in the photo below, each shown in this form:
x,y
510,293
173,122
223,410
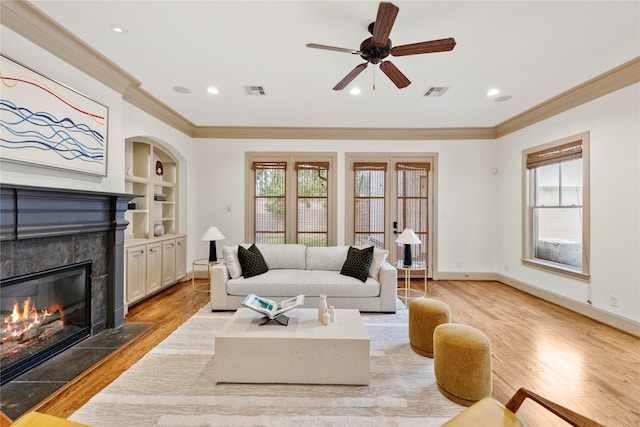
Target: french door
x,y
389,193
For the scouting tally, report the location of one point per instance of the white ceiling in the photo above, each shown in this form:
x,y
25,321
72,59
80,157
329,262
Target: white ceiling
x,y
532,51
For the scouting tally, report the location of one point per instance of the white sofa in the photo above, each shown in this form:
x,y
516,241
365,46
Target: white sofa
x,y
296,269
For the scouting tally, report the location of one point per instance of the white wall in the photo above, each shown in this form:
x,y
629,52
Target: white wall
x,y
613,123
30,55
466,191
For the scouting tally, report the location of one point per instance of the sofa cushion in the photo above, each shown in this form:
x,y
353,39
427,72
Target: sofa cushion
x,y
252,262
283,256
379,257
326,257
357,263
285,283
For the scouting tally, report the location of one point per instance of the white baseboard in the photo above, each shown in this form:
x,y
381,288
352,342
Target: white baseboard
x,y
464,275
626,325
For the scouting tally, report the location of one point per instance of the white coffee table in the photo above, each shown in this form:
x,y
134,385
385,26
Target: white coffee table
x,y
304,352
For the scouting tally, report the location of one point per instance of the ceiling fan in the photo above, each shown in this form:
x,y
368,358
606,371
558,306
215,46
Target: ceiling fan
x,y
378,47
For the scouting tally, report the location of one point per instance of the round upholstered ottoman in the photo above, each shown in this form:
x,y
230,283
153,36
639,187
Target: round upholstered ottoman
x,y
425,314
462,362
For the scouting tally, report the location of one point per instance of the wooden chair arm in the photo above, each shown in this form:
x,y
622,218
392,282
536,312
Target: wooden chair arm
x,y
568,415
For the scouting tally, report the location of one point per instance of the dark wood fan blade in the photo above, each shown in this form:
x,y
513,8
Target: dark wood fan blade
x,y
349,77
396,76
387,13
337,49
432,46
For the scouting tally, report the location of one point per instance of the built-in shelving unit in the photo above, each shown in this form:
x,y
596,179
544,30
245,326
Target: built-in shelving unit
x,y
152,175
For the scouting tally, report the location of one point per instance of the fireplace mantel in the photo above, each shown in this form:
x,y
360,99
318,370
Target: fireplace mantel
x,y
42,228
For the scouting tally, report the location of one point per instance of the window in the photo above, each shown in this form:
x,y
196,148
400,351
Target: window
x,y
290,198
556,211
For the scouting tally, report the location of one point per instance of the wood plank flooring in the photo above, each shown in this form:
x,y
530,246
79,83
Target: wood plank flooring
x,y
589,367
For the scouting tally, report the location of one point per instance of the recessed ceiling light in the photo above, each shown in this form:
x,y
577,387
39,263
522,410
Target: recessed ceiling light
x,y
493,92
181,89
212,90
355,91
118,29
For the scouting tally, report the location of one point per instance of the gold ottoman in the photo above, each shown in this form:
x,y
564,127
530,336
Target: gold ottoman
x,y
462,362
425,314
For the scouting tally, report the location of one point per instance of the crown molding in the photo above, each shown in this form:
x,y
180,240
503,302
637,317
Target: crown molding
x,y
606,83
142,99
248,132
28,21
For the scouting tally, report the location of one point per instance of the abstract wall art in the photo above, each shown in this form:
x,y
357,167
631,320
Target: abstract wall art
x,y
45,123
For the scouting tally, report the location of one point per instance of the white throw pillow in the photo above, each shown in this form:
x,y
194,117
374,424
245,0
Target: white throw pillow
x,y
230,256
379,257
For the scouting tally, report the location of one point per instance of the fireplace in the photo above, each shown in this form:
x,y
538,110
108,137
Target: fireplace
x,y
42,314
54,236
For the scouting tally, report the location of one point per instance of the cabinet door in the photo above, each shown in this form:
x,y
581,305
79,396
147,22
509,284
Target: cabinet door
x,y
154,267
181,258
168,262
136,273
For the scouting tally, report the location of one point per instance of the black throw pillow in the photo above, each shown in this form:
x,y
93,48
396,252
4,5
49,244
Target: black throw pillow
x,y
251,261
358,263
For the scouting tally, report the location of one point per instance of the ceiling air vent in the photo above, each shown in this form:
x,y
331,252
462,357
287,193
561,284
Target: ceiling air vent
x,y
255,90
435,91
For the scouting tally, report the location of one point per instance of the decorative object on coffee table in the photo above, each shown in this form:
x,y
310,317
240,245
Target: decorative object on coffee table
x,y
212,234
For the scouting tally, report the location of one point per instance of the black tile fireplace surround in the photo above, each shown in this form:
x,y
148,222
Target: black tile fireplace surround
x,y
44,228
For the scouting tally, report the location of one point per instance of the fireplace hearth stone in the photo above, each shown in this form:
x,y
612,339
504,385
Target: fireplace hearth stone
x,y
29,389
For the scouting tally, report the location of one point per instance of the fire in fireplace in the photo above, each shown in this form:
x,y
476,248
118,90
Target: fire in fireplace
x,y
42,314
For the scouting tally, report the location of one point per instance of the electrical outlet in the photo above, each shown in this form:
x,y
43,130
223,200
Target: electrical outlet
x,y
615,301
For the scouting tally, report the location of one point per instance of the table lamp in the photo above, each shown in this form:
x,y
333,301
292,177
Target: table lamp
x,y
212,234
408,238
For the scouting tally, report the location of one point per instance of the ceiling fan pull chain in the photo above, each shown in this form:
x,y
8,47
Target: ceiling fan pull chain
x,y
374,78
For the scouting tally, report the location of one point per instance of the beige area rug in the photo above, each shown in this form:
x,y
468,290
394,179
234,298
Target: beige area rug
x,y
172,385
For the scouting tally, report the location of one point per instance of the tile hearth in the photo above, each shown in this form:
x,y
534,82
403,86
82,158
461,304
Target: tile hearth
x,y
24,392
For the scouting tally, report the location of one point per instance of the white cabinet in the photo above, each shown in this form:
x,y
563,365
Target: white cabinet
x,y
168,262
154,267
181,258
136,273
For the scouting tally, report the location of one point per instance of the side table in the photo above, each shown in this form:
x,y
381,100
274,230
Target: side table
x,y
199,263
416,266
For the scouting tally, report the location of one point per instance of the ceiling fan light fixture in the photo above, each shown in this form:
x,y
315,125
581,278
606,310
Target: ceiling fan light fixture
x,y
212,90
355,91
493,92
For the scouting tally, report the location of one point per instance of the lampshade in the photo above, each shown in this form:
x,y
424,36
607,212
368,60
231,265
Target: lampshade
x,y
212,233
408,237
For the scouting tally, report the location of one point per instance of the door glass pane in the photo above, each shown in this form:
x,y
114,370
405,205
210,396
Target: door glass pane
x,y
411,207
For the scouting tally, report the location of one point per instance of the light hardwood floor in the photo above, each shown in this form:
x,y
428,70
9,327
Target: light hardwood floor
x,y
587,366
